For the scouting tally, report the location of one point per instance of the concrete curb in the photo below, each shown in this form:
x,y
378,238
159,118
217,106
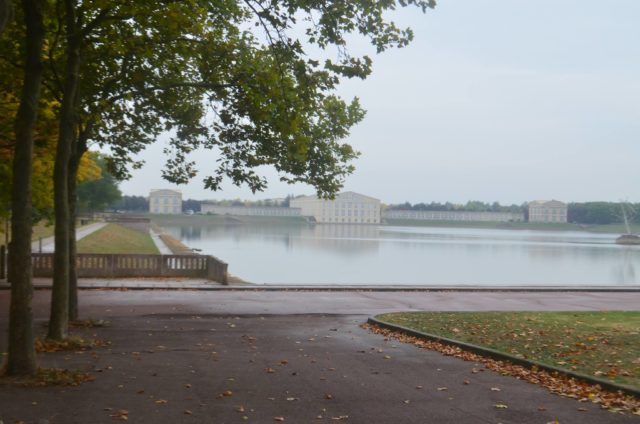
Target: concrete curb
x,y
494,354
331,288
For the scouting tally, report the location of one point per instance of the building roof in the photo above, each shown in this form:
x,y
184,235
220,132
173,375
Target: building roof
x,y
547,203
343,195
165,192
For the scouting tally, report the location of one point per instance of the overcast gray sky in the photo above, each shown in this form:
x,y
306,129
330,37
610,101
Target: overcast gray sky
x,y
495,100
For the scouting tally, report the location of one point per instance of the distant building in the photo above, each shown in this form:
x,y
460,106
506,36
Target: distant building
x,y
547,211
165,201
453,216
346,208
249,210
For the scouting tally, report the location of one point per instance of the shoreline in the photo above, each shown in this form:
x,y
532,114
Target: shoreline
x,y
616,229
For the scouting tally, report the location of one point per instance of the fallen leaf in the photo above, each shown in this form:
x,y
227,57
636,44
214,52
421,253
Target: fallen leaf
x,y
121,414
440,389
500,406
188,412
161,401
278,418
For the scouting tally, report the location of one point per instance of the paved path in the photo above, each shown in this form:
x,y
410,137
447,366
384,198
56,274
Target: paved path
x,y
110,303
162,247
301,356
48,242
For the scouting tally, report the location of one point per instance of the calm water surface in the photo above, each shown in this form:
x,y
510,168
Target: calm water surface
x,y
360,254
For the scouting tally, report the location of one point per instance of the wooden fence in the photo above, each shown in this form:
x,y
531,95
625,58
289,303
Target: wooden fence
x,y
130,266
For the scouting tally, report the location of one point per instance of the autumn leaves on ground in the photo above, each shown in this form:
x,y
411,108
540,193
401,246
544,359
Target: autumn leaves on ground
x,y
602,344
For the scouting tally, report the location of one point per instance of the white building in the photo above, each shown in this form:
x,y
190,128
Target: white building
x,y
249,210
165,201
547,211
454,216
346,208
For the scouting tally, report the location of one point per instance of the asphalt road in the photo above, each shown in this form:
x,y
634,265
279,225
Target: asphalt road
x,y
175,354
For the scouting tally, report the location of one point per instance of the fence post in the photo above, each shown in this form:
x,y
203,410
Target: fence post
x,y
217,270
163,265
3,258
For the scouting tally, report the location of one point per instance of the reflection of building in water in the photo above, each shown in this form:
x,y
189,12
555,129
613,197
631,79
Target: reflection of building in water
x,y
454,216
346,208
249,210
547,211
165,201
189,233
347,240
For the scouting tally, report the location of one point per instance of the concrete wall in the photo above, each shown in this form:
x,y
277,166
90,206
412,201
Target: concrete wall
x,y
133,266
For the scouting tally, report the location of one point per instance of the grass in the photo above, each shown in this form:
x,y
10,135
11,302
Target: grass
x,y
114,238
176,246
601,344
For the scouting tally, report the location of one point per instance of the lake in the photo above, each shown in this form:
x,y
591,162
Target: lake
x,y
365,255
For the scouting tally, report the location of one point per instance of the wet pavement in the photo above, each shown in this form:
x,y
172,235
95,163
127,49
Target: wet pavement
x,y
234,357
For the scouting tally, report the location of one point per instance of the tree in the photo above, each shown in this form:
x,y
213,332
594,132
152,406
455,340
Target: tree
x,y
21,358
190,68
95,195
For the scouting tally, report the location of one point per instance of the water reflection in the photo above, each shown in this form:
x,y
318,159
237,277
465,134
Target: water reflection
x,y
366,254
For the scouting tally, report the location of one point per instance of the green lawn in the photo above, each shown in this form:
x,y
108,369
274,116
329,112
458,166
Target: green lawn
x,y
601,344
114,238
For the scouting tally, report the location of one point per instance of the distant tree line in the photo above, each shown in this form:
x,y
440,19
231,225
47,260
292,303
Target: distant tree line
x,y
601,213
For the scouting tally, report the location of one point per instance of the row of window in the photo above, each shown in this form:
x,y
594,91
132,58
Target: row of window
x,y
351,221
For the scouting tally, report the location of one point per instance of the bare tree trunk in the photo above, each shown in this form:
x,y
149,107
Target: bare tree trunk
x,y
21,358
59,319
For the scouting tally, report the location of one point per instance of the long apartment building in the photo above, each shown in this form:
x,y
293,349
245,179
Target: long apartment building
x,y
453,216
249,210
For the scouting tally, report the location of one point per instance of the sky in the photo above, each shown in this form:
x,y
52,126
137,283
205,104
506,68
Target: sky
x,y
494,100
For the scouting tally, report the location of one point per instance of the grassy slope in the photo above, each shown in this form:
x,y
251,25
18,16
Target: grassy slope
x,y
602,344
114,238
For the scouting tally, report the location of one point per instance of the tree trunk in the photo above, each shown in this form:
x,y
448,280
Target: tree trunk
x,y
59,319
74,164
73,275
5,13
21,358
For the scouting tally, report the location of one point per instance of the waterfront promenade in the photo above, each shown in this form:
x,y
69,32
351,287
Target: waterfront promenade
x,y
194,356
